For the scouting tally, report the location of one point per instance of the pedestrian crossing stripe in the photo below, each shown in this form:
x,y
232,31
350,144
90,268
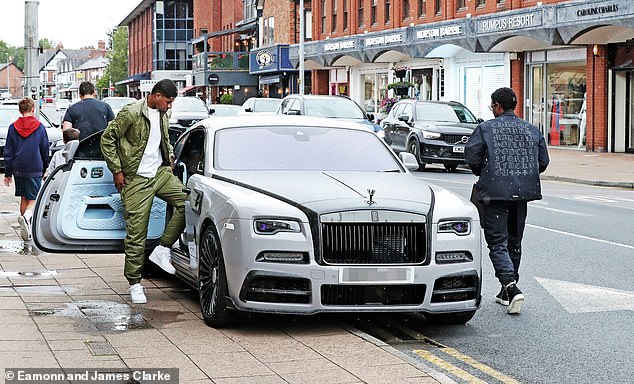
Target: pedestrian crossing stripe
x,y
445,365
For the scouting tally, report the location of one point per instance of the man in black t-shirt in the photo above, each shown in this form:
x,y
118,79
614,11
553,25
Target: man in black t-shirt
x,y
88,115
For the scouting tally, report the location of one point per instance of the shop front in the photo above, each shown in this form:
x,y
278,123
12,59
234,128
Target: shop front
x,y
277,77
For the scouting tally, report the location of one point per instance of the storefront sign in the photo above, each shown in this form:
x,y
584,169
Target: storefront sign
x,y
338,46
270,59
597,10
384,40
440,32
509,23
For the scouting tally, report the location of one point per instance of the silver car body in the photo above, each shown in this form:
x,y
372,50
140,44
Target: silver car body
x,y
366,228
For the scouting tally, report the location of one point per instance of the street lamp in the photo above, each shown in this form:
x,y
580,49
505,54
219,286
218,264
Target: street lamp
x,y
9,58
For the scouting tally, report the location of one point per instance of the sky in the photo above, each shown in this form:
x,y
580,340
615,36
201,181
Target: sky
x,y
74,23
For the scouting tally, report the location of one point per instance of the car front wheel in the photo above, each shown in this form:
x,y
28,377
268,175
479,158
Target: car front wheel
x,y
413,147
212,281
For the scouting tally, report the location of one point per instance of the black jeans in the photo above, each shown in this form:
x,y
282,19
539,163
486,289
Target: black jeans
x,y
504,223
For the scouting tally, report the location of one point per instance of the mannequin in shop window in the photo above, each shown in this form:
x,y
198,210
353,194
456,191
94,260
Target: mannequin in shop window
x,y
582,123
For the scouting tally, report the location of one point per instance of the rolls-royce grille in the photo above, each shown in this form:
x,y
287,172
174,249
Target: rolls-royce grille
x,y
372,294
373,243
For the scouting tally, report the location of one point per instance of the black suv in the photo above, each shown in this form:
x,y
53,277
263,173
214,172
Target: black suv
x,y
433,131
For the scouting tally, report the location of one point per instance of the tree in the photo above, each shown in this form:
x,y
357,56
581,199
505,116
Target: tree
x,y
117,68
46,43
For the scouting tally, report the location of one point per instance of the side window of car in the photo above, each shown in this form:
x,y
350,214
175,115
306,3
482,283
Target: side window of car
x,y
396,110
408,110
192,154
286,105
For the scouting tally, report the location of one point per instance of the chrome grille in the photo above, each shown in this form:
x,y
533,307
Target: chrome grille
x,y
373,243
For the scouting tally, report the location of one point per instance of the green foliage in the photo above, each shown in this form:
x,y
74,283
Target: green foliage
x,y
16,54
46,43
226,98
400,84
117,68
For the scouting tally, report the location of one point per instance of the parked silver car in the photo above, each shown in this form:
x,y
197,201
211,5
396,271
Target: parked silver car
x,y
288,214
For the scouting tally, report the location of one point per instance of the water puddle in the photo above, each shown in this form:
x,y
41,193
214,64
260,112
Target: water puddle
x,y
18,247
109,316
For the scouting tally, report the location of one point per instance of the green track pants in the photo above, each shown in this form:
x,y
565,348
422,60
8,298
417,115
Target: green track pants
x,y
137,196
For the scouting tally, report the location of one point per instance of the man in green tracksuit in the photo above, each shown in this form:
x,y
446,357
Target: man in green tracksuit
x,y
136,148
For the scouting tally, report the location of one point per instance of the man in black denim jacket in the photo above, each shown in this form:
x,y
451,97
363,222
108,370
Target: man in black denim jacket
x,y
508,154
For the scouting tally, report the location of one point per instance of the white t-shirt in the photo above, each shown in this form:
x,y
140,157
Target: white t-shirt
x,y
151,159
56,161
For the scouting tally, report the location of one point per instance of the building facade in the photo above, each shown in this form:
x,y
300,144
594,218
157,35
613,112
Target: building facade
x,y
568,61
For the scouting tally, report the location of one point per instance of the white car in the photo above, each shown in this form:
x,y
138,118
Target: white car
x,y
117,103
288,214
260,105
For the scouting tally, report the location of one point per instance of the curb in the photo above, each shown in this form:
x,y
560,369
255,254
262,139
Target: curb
x,y
600,183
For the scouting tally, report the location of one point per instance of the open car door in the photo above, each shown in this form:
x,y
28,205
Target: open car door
x,y
79,208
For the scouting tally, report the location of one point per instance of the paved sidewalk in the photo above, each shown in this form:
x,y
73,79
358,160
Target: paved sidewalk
x,y
579,166
73,311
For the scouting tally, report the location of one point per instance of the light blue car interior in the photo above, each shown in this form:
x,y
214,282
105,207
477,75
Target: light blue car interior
x,y
92,203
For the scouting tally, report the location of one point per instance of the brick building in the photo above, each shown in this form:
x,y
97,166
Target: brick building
x,y
570,62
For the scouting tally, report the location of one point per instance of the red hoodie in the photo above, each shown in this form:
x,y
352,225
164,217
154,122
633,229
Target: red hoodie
x,y
25,125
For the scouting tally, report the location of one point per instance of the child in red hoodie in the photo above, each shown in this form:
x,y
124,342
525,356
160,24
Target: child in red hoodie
x,y
25,159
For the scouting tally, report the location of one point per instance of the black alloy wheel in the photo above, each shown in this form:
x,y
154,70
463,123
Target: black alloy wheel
x,y
413,147
212,281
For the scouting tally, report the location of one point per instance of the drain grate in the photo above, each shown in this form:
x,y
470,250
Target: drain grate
x,y
100,348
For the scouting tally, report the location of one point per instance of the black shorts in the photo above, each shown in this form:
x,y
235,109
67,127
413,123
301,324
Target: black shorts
x,y
27,186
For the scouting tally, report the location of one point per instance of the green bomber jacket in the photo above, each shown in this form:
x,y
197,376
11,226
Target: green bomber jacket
x,y
126,136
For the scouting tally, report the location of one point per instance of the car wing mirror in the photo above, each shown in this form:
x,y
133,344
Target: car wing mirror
x,y
68,152
480,120
409,161
248,110
404,118
212,111
371,116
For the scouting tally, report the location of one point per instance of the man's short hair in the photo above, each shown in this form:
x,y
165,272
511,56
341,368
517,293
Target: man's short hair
x,y
26,105
69,134
505,97
86,88
165,87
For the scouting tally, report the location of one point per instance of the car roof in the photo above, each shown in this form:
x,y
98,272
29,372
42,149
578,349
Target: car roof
x,y
308,97
443,102
280,120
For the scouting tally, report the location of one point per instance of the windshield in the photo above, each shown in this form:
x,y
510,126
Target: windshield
x,y
8,116
453,113
189,104
119,103
225,110
266,105
333,107
301,149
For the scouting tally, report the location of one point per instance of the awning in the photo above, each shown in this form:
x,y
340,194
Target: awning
x,y
134,78
271,79
184,90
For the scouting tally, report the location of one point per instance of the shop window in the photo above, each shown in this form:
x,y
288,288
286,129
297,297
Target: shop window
x,y
374,91
565,90
405,9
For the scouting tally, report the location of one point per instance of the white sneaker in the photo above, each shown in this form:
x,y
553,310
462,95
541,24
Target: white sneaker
x,y
25,228
137,296
162,256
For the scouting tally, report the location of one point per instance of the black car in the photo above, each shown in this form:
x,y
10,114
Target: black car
x,y
433,131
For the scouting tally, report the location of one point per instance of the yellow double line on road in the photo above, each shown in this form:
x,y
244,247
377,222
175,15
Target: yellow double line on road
x,y
461,373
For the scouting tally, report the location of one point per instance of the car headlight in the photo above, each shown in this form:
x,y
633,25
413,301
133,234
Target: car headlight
x,y
459,227
430,134
273,226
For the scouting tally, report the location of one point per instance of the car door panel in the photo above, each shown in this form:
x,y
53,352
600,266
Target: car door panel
x,y
80,210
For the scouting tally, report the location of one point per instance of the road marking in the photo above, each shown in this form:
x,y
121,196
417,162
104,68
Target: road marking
x,y
540,206
584,298
600,199
581,236
445,365
482,367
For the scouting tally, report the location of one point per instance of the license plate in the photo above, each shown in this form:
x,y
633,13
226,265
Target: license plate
x,y
376,275
458,148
